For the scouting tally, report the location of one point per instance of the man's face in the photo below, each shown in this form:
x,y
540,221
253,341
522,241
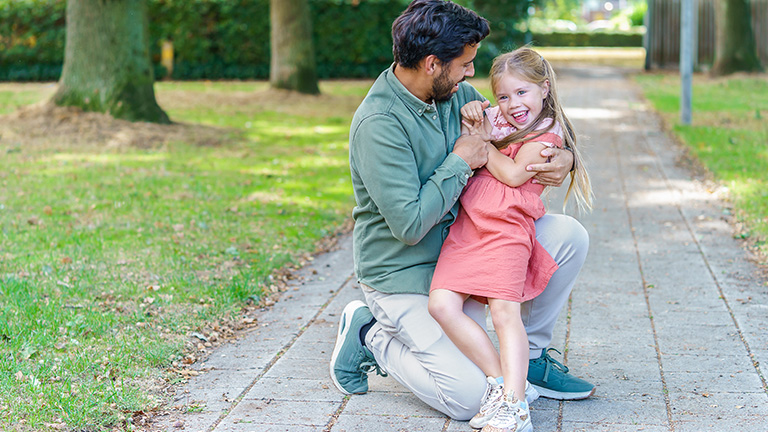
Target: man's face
x,y
446,83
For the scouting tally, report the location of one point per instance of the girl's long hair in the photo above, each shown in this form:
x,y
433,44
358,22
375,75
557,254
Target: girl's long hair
x,y
528,65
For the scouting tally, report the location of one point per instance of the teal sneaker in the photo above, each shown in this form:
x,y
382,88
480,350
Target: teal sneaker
x,y
351,361
551,379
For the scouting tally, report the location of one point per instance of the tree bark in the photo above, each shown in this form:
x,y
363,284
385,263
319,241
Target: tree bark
x,y
106,60
292,63
735,48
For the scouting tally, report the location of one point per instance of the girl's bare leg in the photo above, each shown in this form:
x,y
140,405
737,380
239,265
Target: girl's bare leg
x,y
446,307
513,344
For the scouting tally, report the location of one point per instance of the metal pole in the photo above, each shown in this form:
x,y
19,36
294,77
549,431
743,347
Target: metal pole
x,y
686,60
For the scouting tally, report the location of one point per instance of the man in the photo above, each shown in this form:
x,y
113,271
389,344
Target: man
x,y
409,165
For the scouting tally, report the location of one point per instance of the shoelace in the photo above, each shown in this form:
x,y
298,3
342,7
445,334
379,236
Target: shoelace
x,y
552,362
372,366
493,396
505,416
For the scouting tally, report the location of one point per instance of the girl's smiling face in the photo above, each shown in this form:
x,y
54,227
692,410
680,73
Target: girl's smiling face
x,y
520,101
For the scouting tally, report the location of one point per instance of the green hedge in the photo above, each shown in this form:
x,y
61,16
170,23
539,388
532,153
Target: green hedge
x,y
229,39
31,39
585,39
213,39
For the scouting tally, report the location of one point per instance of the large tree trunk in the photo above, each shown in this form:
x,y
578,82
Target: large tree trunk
x,y
292,65
735,49
106,60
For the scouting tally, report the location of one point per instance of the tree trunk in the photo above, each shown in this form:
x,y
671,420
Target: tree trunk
x,y
292,64
735,49
106,60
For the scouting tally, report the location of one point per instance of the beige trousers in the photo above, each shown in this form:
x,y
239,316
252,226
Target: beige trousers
x,y
409,344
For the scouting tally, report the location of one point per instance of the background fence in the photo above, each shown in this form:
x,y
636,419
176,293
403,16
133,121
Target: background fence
x,y
662,43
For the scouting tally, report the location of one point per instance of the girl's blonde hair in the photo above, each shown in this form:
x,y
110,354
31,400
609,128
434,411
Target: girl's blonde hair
x,y
528,65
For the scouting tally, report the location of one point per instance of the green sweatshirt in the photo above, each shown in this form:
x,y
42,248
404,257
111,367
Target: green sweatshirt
x,y
406,182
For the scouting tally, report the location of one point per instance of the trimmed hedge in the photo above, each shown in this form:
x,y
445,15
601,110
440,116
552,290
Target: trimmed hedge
x,y
229,39
592,39
31,39
213,39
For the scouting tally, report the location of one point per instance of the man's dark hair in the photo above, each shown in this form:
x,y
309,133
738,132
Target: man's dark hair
x,y
436,27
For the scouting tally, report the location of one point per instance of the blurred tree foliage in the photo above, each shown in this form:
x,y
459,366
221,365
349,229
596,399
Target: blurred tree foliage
x,y
561,10
504,17
229,39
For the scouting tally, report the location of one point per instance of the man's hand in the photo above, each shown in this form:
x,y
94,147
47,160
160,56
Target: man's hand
x,y
472,148
555,171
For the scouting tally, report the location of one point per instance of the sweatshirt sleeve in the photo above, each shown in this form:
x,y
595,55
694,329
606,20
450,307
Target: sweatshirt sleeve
x,y
384,159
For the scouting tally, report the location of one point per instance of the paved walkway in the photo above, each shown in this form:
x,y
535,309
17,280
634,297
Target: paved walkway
x,y
669,319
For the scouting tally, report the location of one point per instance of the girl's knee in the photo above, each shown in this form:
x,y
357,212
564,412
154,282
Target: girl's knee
x,y
437,307
442,306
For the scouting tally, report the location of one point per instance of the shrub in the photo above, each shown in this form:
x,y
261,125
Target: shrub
x,y
594,39
229,39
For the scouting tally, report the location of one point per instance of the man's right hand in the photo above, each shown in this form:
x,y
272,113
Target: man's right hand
x,y
472,148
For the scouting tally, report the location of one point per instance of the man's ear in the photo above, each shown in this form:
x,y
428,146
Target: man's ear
x,y
431,64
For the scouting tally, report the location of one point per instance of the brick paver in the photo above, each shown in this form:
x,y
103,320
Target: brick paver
x,y
668,318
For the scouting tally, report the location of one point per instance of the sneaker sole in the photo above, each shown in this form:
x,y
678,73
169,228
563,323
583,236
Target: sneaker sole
x,y
552,394
344,323
531,394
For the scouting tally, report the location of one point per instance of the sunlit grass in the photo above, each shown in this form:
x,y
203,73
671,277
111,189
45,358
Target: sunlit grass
x,y
111,257
729,136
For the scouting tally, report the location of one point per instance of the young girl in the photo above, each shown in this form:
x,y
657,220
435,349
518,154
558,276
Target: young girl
x,y
491,251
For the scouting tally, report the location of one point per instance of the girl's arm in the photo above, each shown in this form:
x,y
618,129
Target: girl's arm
x,y
510,171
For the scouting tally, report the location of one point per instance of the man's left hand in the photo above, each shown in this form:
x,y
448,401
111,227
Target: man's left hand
x,y
555,171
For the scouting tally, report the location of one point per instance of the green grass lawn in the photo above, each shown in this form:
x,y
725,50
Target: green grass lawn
x,y
112,257
728,135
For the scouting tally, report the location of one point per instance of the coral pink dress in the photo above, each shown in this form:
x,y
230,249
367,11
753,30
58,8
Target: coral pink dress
x,y
491,250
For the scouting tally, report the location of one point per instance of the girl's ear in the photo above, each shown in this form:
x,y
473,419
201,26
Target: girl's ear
x,y
545,89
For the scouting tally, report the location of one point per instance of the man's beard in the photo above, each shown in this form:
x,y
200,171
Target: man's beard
x,y
442,87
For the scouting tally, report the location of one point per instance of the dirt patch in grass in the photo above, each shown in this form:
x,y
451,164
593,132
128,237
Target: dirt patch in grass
x,y
47,124
281,101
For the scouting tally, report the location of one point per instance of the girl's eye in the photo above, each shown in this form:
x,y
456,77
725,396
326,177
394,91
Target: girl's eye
x,y
502,98
521,92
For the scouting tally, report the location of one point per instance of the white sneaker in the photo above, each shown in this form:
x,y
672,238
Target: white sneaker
x,y
492,399
513,416
489,404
